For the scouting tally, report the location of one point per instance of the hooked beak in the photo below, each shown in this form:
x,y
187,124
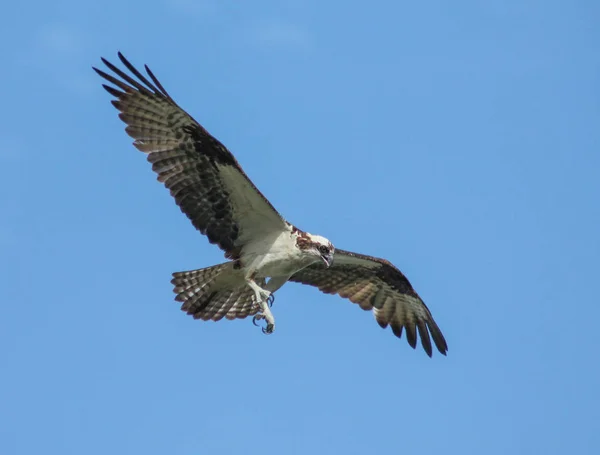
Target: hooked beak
x,y
327,260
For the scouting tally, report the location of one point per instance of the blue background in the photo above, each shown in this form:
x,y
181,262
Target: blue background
x,y
460,140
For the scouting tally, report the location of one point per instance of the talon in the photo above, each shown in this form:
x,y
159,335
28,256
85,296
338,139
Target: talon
x,y
271,300
257,317
268,330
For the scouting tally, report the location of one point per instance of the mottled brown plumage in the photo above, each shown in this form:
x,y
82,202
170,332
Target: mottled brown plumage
x,y
196,290
213,191
303,241
375,284
185,155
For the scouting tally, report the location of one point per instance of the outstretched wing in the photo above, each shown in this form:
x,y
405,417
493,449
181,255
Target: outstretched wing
x,y
375,284
205,179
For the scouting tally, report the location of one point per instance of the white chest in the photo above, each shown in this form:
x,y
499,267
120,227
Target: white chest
x,y
275,255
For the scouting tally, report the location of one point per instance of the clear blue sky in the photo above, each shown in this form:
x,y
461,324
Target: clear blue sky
x,y
460,140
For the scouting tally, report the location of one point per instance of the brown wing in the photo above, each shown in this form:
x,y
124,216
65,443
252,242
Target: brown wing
x,y
205,179
375,284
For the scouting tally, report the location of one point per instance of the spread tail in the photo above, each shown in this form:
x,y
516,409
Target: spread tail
x,y
215,292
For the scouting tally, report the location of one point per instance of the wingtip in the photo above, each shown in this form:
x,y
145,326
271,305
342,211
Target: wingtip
x,y
122,58
443,350
429,351
107,63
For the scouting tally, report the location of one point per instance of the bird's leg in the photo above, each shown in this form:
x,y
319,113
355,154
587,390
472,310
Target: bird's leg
x,y
263,297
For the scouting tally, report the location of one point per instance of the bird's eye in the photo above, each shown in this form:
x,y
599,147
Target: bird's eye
x,y
323,249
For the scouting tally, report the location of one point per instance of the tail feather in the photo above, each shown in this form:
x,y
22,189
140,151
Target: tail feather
x,y
213,293
231,304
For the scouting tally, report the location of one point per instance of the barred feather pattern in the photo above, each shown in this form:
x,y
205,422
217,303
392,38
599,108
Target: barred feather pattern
x,y
202,175
375,284
204,297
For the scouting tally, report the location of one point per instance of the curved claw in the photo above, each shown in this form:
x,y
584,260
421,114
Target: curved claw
x,y
268,330
271,300
257,317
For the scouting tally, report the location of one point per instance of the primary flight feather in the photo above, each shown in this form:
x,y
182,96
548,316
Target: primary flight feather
x,y
264,250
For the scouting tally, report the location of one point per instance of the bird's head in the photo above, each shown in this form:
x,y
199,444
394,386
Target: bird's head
x,y
321,248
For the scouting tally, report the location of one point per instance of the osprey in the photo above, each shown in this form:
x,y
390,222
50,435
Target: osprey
x,y
264,250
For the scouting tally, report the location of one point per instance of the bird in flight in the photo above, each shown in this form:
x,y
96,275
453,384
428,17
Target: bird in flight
x,y
264,251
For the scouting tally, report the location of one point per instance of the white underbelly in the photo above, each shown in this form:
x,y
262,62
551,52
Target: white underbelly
x,y
270,265
274,257
280,268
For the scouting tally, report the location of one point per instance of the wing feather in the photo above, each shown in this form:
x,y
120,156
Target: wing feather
x,y
205,179
375,284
